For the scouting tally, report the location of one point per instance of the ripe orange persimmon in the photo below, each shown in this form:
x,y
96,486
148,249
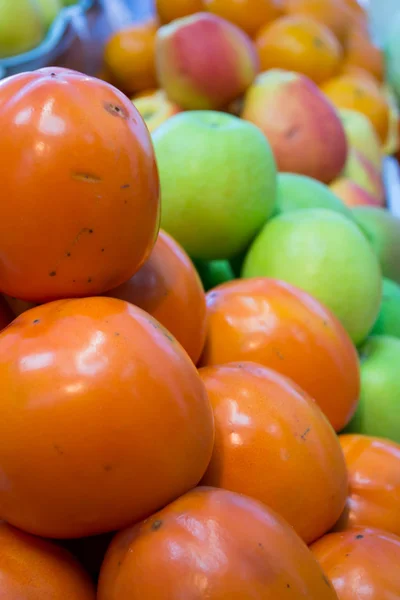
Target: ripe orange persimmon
x,y
169,10
360,94
103,420
332,13
361,52
281,327
274,444
81,182
249,15
373,465
169,288
35,569
129,57
362,564
212,544
297,43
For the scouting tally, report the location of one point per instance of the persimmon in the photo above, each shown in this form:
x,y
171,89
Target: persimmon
x,y
249,15
362,564
361,52
169,288
373,466
129,57
334,14
35,569
212,544
273,443
363,95
298,43
81,182
281,327
169,10
103,420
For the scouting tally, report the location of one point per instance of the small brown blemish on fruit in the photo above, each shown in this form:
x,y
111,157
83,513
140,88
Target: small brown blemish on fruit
x,y
305,433
107,468
52,273
116,110
125,186
58,449
86,177
68,254
359,537
156,525
102,249
292,132
89,280
36,321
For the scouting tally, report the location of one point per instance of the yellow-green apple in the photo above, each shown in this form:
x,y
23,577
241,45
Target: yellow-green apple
x,y
360,170
204,61
21,26
296,192
156,108
378,411
352,194
388,321
301,124
383,231
328,256
218,182
361,135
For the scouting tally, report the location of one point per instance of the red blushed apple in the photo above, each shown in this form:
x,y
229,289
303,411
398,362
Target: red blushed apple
x,y
156,108
204,62
302,126
361,170
352,194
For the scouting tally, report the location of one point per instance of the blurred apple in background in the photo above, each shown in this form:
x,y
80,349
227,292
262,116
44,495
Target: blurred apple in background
x,y
204,61
155,108
327,255
361,135
352,194
383,231
21,26
360,170
218,182
303,128
49,10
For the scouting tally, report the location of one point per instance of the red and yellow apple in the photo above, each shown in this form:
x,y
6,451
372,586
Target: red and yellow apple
x,y
204,62
360,170
302,126
352,194
155,108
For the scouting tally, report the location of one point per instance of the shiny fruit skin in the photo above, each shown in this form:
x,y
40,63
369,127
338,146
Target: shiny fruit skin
x,y
103,419
169,288
129,56
373,466
346,91
169,10
35,569
212,544
362,564
262,418
283,328
249,15
300,44
81,183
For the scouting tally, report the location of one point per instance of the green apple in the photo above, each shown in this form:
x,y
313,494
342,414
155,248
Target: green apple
x,y
21,26
218,182
383,230
378,412
214,272
328,256
295,192
49,10
388,322
361,135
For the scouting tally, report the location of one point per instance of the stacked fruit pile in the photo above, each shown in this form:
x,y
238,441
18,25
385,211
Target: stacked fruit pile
x,y
160,442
